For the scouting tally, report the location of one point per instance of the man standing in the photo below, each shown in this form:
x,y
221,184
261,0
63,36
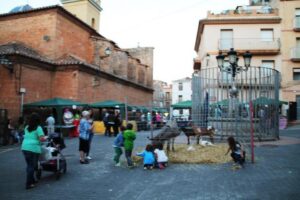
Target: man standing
x,y
50,124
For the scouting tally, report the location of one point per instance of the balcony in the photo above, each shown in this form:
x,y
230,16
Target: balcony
x,y
244,11
295,54
297,23
255,45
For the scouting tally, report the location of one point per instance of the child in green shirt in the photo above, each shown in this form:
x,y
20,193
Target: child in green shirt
x,y
129,137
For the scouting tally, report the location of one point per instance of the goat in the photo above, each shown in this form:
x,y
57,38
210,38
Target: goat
x,y
198,132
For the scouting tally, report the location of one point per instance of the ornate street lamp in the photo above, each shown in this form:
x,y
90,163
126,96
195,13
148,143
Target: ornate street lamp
x,y
233,68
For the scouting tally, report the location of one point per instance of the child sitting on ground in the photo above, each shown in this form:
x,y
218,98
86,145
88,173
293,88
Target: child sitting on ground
x,y
237,151
161,157
118,144
148,157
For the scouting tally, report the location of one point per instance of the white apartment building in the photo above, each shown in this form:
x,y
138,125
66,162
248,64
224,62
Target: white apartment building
x,y
269,29
181,90
247,28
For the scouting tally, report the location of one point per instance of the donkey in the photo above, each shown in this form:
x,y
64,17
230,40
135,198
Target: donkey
x,y
168,133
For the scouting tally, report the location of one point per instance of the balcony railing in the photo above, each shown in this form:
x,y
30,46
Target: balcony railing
x,y
297,23
244,12
295,54
251,44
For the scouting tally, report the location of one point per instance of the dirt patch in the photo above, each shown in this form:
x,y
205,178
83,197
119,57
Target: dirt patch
x,y
198,155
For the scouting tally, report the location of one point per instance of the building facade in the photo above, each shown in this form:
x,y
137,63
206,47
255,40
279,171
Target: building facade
x,y
86,10
162,96
269,29
58,55
158,95
290,51
167,89
247,28
181,90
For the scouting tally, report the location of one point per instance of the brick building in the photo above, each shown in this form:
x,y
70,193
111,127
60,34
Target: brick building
x,y
54,54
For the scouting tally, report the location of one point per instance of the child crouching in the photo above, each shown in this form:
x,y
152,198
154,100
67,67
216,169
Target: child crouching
x,y
148,157
161,157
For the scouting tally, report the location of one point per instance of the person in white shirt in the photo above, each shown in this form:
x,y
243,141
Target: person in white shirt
x,y
50,124
161,157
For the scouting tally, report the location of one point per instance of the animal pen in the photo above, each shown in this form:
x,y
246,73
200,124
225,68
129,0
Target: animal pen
x,y
235,106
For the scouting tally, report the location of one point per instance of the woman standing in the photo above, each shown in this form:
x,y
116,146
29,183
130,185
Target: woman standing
x,y
84,136
31,147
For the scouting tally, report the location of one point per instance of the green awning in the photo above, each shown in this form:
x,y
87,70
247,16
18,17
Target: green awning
x,y
283,102
55,102
223,102
58,104
182,105
108,104
263,101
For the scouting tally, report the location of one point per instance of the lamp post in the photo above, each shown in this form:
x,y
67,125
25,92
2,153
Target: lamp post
x,y
5,61
22,92
233,69
107,53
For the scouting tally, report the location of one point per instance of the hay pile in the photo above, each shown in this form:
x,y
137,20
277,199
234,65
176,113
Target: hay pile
x,y
199,155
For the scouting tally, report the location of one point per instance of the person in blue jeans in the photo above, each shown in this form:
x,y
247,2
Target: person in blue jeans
x,y
118,144
31,147
91,121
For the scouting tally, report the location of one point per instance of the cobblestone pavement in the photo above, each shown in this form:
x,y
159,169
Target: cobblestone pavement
x,y
275,175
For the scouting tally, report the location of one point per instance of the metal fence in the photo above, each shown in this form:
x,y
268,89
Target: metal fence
x,y
213,105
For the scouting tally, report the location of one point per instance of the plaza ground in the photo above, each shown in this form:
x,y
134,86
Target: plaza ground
x,y
275,175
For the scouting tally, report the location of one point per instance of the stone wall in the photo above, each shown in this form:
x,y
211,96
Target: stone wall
x,y
145,55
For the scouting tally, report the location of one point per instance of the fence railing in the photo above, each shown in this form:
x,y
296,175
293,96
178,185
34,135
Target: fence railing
x,y
249,44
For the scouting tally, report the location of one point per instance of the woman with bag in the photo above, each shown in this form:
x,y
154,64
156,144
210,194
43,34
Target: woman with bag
x,y
31,147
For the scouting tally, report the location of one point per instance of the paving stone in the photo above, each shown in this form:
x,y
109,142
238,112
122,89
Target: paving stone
x,y
275,175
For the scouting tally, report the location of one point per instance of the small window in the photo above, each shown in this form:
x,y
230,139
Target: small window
x,y
296,74
180,86
266,35
167,95
226,39
93,22
179,98
268,64
298,42
297,12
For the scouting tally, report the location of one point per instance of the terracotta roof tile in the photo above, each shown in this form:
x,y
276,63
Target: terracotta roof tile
x,y
15,48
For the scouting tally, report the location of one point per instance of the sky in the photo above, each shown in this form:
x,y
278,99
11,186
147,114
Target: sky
x,y
170,26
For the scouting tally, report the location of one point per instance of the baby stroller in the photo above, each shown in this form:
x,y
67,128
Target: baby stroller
x,y
51,158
